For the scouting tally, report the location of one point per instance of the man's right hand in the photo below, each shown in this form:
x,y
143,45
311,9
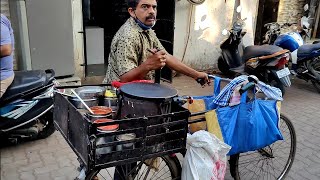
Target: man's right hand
x,y
155,60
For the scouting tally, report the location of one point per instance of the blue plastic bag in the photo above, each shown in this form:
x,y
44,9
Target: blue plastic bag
x,y
250,125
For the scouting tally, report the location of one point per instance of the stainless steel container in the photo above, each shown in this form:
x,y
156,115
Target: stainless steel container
x,y
125,137
100,112
106,139
94,117
78,104
88,92
111,102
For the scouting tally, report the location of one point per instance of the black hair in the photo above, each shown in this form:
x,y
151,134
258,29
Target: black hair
x,y
132,3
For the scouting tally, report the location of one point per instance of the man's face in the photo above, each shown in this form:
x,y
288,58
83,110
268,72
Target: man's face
x,y
146,12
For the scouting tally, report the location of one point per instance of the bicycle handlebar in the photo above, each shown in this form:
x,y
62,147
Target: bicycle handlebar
x,y
202,82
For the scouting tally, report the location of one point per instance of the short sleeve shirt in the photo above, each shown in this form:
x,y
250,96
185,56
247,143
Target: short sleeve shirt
x,y
6,63
129,50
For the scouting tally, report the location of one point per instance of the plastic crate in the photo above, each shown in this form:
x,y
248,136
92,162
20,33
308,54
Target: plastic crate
x,y
155,135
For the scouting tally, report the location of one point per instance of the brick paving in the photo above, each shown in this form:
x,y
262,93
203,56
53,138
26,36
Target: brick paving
x,y
52,159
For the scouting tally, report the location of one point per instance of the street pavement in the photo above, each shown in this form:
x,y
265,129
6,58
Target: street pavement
x,y
53,159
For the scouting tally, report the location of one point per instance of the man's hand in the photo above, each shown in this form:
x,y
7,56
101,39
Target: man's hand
x,y
202,78
5,50
156,59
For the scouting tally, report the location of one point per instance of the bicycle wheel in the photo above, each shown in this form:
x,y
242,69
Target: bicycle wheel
x,y
165,168
271,162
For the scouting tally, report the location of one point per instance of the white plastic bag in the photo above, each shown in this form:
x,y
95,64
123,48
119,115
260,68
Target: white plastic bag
x,y
205,158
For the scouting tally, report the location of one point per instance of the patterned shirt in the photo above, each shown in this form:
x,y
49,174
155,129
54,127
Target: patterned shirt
x,y
129,50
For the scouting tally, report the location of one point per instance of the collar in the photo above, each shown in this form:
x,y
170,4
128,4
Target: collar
x,y
136,26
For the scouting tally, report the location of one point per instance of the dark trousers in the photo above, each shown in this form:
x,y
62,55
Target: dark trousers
x,y
121,172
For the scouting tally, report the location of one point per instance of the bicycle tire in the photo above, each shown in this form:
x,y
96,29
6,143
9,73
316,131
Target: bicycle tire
x,y
236,160
172,162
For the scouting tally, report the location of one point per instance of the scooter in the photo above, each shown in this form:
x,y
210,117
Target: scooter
x,y
267,62
26,107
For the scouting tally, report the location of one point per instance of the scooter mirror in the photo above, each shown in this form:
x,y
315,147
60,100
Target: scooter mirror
x,y
224,32
306,7
239,8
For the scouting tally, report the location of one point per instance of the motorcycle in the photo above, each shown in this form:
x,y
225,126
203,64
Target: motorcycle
x,y
267,62
299,31
305,58
26,107
304,23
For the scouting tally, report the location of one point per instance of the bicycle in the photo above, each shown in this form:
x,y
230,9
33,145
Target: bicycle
x,y
153,154
260,164
166,165
238,163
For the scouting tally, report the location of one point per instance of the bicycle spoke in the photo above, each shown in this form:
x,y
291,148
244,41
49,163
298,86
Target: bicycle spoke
x,y
161,170
119,173
109,173
158,170
270,162
149,168
162,174
145,169
102,176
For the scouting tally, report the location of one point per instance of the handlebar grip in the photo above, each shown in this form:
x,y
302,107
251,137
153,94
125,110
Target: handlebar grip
x,y
50,71
246,87
50,74
157,76
201,81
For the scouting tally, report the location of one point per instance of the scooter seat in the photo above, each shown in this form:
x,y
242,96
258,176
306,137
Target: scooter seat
x,y
24,81
239,69
257,51
309,50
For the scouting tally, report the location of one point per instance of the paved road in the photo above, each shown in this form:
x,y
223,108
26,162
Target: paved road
x,y
52,159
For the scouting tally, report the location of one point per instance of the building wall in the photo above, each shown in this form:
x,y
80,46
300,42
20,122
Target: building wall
x,y
199,44
288,10
201,48
78,38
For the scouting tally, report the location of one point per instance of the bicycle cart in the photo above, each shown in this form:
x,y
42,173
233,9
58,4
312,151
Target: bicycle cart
x,y
149,154
158,136
271,162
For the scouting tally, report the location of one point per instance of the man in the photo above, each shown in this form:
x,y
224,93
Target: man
x,y
136,51
6,57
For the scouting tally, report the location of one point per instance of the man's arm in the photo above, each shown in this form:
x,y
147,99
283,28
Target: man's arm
x,y
135,74
154,61
5,50
5,41
178,66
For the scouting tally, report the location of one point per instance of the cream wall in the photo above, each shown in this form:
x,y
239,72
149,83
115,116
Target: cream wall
x,y
78,38
289,11
207,22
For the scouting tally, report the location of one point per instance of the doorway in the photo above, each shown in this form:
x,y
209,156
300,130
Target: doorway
x,y
267,12
102,19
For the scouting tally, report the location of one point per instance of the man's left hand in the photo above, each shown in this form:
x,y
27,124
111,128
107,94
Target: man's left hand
x,y
204,77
